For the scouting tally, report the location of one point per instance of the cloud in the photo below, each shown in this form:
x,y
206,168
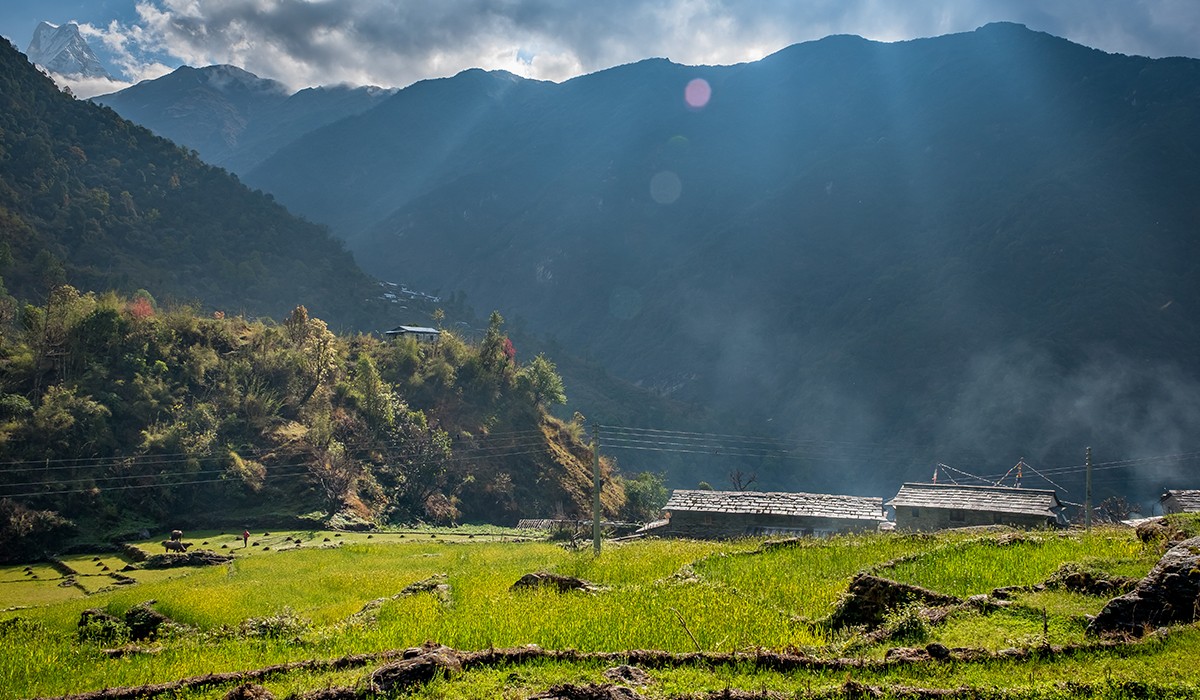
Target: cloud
x,y
310,42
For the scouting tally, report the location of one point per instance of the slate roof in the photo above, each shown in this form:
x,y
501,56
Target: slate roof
x,y
813,505
1188,500
993,499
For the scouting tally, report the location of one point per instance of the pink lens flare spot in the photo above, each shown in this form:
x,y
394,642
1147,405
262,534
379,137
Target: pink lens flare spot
x,y
697,93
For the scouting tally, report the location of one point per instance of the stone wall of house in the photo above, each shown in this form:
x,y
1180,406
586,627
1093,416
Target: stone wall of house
x,y
727,525
925,518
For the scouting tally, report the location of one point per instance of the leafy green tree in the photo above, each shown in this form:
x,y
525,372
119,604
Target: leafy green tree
x,y
26,533
375,397
541,379
645,496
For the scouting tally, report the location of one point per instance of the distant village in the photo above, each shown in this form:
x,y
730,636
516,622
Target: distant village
x,y
916,507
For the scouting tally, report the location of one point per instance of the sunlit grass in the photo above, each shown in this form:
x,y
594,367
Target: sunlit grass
x,y
727,597
805,579
977,566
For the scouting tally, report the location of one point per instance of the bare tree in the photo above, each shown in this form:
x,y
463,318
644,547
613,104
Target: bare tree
x,y
740,480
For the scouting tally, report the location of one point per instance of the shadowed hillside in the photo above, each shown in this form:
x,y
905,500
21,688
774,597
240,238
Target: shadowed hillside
x,y
91,199
970,248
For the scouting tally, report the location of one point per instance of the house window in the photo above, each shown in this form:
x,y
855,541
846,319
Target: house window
x,y
958,515
916,512
708,519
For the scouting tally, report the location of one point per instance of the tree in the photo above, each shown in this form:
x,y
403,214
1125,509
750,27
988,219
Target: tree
x,y
297,325
540,377
645,496
740,480
375,398
416,465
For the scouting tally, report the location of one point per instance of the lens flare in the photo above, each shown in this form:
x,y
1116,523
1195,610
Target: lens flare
x,y
665,187
697,93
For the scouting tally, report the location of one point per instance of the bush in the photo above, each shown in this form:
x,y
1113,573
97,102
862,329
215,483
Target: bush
x,y
907,624
100,627
285,623
27,534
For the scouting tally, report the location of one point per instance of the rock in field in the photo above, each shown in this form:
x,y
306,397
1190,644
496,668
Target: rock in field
x,y
417,670
1170,594
557,581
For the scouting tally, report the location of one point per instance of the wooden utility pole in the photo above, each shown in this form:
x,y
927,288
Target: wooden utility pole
x,y
596,491
1087,494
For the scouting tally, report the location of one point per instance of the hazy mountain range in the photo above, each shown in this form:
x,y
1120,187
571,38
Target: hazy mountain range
x,y
971,248
231,117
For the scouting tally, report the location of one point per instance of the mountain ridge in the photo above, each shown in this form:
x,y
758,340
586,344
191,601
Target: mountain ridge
x,y
963,247
232,117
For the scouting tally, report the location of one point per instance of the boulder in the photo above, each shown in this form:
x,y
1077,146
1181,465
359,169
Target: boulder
x,y
870,598
1169,594
200,557
143,621
629,675
559,582
591,691
1156,530
1078,578
417,670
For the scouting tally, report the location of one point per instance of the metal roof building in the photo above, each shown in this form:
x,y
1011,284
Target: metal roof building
x,y
421,333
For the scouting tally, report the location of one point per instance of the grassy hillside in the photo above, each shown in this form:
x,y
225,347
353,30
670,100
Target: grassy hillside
x,y
280,602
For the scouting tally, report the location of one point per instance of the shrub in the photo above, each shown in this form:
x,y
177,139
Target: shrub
x,y
26,534
907,624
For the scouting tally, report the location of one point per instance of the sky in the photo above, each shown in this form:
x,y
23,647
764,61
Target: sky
x,y
394,43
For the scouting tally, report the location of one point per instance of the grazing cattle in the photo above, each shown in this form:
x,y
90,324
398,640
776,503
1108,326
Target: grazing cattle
x,y
175,546
176,535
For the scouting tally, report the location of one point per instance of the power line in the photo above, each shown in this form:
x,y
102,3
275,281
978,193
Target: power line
x,y
129,487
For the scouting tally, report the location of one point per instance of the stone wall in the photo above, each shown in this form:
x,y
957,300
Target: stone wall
x,y
925,518
727,525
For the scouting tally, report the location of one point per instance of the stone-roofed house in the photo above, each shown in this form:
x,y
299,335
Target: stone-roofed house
x,y
943,506
421,333
1180,501
721,514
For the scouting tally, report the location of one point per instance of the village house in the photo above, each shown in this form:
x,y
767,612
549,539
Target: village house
x,y
722,514
1180,501
421,333
944,506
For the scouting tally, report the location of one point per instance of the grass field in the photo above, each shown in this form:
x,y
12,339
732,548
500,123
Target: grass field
x,y
276,602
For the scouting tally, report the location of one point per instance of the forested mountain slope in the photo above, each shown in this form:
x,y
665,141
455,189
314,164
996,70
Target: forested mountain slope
x,y
969,248
91,199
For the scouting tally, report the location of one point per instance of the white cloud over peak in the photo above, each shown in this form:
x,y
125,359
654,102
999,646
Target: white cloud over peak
x,y
397,42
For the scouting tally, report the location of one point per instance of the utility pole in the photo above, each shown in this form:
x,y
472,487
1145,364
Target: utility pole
x,y
596,490
1087,494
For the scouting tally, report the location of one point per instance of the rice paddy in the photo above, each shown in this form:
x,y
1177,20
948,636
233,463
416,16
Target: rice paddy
x,y
288,603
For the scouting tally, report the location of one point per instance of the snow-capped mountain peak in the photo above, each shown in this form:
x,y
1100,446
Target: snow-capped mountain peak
x,y
63,50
